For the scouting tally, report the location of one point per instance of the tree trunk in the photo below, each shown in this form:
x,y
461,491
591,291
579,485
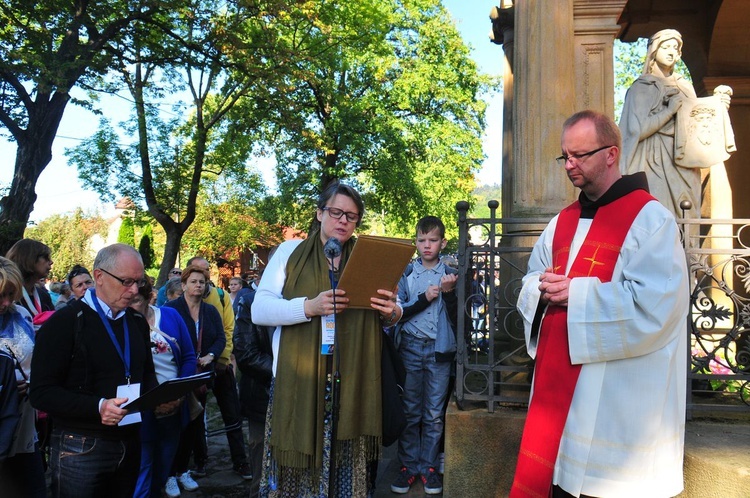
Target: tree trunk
x,y
33,154
171,250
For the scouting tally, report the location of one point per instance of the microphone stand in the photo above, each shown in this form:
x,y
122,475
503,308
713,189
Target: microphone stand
x,y
335,388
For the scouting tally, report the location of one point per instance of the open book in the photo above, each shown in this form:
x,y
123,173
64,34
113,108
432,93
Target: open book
x,y
169,390
375,263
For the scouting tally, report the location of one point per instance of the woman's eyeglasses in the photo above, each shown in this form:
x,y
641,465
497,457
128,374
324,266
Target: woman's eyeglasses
x,y
338,213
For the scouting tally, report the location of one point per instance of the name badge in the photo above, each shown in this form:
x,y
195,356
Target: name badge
x,y
130,391
328,331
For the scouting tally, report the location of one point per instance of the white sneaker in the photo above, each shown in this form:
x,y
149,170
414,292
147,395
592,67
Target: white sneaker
x,y
187,482
172,489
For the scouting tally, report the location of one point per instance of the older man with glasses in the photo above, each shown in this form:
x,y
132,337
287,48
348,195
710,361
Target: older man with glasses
x,y
89,359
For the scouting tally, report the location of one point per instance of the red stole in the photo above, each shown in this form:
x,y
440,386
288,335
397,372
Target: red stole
x,y
554,376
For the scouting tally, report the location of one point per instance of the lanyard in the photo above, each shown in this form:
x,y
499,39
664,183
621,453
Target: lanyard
x,y
124,357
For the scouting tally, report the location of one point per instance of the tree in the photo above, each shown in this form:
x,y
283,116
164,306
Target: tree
x,y
482,196
69,238
146,248
392,108
47,48
172,157
126,235
226,229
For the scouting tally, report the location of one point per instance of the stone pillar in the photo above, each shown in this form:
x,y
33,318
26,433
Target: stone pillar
x,y
543,97
595,27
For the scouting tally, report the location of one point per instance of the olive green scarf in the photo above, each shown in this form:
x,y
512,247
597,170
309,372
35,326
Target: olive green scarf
x,y
298,401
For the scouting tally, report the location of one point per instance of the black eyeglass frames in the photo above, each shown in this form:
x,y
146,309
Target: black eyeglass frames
x,y
578,158
127,282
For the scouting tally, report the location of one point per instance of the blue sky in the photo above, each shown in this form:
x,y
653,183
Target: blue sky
x,y
59,190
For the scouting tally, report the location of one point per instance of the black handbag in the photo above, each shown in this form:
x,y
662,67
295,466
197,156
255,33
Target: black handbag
x,y
392,377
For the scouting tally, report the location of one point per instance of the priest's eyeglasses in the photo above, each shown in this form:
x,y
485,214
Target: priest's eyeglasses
x,y
127,282
338,213
578,158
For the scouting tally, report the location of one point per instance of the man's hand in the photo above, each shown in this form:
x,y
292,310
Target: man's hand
x,y
111,413
554,288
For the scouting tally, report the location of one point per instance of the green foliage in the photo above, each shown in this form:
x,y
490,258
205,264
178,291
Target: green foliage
x,y
483,195
126,235
146,248
46,49
69,237
388,103
226,229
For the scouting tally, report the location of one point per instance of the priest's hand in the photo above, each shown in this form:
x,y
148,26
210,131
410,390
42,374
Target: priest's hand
x,y
554,288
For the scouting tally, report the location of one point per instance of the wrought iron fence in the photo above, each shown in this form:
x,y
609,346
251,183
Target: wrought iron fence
x,y
493,366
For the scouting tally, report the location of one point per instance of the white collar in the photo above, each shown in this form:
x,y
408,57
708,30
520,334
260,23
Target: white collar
x,y
89,299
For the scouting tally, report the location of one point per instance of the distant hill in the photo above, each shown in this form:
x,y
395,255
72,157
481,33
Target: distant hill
x,y
483,195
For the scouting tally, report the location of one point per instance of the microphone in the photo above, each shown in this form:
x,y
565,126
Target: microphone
x,y
332,248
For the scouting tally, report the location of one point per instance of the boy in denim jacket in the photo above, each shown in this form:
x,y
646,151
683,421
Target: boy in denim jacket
x,y
427,344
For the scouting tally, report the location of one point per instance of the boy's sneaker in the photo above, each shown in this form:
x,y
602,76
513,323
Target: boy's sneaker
x,y
172,490
433,484
403,482
244,471
187,482
198,471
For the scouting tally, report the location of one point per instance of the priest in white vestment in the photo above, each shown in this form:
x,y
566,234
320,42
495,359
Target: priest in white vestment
x,y
626,338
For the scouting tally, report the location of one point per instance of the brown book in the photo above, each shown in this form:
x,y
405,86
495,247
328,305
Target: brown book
x,y
375,263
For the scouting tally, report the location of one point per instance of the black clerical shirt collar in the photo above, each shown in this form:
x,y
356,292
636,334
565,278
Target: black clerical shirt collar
x,y
622,187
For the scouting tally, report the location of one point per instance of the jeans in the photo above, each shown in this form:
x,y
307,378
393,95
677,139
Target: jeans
x,y
86,466
157,454
425,390
228,399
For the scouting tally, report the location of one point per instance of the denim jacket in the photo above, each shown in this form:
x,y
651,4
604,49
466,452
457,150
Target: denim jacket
x,y
445,342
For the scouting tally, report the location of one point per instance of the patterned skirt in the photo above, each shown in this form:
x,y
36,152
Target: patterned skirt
x,y
355,475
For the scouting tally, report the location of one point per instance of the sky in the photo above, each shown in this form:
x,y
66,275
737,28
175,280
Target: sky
x,y
60,191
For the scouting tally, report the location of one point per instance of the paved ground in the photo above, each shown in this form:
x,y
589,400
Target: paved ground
x,y
221,481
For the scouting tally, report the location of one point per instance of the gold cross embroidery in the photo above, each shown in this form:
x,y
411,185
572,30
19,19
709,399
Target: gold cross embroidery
x,y
593,261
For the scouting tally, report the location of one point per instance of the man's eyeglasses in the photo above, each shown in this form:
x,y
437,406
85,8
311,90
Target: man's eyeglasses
x,y
578,158
127,282
338,213
175,272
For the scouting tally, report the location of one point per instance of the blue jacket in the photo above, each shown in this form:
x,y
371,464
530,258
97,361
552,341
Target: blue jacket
x,y
172,324
445,343
214,339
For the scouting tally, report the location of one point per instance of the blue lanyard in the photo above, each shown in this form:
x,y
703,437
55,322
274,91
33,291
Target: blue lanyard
x,y
126,357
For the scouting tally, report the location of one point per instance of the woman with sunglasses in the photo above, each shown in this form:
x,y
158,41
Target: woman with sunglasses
x,y
161,295
79,280
35,262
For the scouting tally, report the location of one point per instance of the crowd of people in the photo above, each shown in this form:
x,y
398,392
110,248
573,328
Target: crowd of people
x,y
605,299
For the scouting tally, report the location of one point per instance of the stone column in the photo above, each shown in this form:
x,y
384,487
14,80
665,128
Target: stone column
x,y
595,26
543,97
